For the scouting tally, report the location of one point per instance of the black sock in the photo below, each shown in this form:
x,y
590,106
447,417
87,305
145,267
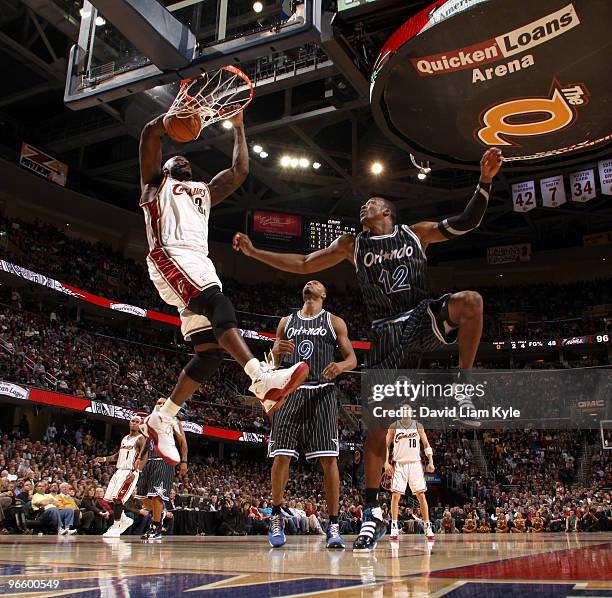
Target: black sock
x,y
333,519
371,497
276,509
117,510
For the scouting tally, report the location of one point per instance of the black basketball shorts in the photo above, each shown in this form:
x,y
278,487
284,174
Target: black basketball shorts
x,y
156,479
309,421
398,340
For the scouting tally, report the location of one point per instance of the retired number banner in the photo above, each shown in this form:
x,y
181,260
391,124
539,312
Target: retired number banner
x,y
582,185
553,191
523,196
605,176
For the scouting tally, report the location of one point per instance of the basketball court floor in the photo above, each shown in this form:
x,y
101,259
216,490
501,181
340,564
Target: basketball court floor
x,y
547,565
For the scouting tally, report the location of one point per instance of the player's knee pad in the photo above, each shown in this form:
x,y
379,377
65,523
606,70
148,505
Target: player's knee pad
x,y
203,365
213,304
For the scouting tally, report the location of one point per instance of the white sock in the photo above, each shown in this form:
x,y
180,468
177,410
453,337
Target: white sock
x,y
252,368
169,408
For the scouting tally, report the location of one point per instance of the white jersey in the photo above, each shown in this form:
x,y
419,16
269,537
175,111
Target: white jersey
x,y
407,444
127,452
177,216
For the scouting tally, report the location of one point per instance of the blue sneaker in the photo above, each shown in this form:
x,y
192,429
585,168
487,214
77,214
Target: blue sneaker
x,y
373,528
334,539
276,535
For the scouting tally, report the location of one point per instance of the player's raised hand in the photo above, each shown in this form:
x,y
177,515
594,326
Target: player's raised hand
x,y
490,164
241,242
237,118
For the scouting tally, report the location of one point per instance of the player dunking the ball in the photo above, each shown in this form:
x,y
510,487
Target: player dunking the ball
x,y
177,210
309,418
404,467
391,268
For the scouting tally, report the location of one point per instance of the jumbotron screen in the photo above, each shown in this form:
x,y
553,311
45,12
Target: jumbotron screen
x,y
291,232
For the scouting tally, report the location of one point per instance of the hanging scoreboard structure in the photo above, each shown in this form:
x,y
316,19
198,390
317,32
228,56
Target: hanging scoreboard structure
x,y
532,78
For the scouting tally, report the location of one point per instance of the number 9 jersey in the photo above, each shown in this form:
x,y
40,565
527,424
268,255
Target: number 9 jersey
x,y
315,342
391,270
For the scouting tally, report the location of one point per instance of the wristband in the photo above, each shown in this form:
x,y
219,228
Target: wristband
x,y
429,451
185,462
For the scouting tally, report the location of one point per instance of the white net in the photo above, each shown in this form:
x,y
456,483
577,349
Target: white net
x,y
213,96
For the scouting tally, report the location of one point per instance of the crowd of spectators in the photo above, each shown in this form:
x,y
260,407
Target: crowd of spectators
x,y
40,481
542,311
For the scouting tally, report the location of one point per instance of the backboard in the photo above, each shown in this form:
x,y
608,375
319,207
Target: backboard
x,y
105,64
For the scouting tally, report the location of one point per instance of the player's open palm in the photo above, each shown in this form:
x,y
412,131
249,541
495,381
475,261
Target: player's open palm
x,y
242,243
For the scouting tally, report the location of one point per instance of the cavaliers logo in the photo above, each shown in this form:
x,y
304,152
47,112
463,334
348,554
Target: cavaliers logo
x,y
508,122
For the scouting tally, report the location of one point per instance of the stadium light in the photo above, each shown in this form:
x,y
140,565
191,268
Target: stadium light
x,y
257,148
304,163
227,124
285,161
422,175
100,21
316,165
376,168
257,6
263,154
294,163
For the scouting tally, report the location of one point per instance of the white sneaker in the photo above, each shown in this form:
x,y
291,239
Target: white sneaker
x,y
112,531
394,534
159,428
61,531
71,532
273,386
429,533
124,523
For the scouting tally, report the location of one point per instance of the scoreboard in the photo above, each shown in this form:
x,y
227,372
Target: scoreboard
x,y
294,233
320,233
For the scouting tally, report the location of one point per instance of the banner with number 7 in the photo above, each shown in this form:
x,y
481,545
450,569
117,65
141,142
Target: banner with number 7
x,y
523,196
553,191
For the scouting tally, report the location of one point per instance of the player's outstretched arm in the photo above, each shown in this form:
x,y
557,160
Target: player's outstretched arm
x,y
151,152
109,459
227,181
349,360
470,218
342,248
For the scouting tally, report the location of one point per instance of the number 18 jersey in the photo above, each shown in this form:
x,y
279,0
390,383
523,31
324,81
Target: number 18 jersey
x,y
391,270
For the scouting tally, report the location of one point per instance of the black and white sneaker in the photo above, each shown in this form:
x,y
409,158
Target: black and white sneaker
x,y
372,530
467,414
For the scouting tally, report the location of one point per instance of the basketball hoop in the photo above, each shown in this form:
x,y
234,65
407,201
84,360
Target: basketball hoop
x,y
213,97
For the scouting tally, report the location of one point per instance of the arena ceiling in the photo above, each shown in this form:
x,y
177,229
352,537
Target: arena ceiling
x,y
322,113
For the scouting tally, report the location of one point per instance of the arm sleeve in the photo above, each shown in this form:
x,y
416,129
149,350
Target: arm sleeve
x,y
470,218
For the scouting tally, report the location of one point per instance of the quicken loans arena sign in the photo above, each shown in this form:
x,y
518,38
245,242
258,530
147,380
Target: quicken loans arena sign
x,y
530,77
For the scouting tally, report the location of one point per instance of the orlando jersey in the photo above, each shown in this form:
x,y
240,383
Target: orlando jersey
x,y
391,270
315,342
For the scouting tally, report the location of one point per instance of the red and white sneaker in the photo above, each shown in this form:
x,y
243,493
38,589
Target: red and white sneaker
x,y
274,385
159,428
394,536
429,533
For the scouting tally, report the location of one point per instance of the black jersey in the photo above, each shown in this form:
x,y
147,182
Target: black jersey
x,y
391,270
315,342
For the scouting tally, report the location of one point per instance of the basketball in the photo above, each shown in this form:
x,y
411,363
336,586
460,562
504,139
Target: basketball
x,y
183,128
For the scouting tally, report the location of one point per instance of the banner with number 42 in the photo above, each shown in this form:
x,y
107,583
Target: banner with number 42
x,y
523,196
